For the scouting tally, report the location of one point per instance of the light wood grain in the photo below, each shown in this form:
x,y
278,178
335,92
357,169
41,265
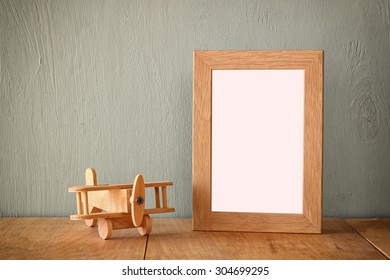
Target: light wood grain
x,y
59,238
376,231
105,228
157,197
146,226
159,210
112,201
138,200
175,239
90,177
79,203
91,180
101,215
164,197
110,215
203,218
105,187
62,239
257,59
84,198
313,139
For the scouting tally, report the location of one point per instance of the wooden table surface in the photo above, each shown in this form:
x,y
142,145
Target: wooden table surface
x,y
60,238
174,239
375,231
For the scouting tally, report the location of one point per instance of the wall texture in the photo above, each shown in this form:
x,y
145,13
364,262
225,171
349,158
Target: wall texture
x,y
108,84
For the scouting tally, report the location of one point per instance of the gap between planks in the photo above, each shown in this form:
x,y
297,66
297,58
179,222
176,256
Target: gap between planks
x,y
371,243
146,247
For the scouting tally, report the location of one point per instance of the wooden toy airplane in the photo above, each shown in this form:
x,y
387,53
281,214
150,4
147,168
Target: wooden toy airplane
x,y
118,206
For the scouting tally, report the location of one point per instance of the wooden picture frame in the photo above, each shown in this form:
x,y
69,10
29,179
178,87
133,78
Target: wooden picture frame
x,y
310,219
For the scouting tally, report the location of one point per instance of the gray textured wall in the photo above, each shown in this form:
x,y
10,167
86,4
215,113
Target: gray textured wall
x,y
108,84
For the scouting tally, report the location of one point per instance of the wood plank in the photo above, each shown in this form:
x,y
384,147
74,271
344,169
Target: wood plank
x,y
376,231
111,201
159,210
84,196
164,197
175,239
157,196
62,239
105,187
101,215
104,215
79,203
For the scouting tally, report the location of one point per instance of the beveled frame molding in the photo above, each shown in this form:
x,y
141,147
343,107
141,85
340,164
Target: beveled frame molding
x,y
312,64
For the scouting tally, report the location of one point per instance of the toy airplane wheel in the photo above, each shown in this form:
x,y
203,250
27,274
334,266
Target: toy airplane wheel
x,y
137,201
105,228
146,226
